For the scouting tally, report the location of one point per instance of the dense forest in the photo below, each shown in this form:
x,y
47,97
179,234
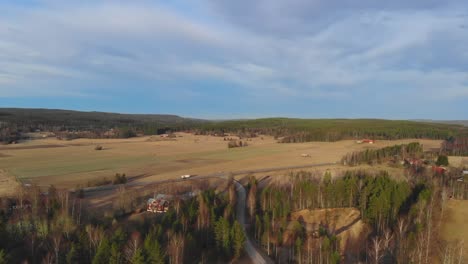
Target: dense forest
x,y
57,229
371,156
290,130
402,216
457,146
74,124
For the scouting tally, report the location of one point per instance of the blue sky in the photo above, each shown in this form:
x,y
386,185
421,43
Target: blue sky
x,y
238,59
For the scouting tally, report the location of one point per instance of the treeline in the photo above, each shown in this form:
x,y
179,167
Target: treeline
x,y
57,229
457,146
9,133
398,212
76,124
371,156
73,124
290,130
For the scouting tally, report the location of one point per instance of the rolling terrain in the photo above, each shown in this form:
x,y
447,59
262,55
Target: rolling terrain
x,y
68,163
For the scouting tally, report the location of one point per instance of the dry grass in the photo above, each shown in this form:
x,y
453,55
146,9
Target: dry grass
x,y
458,161
455,224
67,163
345,223
8,183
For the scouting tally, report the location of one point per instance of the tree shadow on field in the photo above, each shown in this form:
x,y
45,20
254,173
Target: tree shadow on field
x,y
138,177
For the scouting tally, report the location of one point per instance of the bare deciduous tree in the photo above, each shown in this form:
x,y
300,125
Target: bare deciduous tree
x,y
95,235
176,248
133,244
203,220
376,250
56,242
252,199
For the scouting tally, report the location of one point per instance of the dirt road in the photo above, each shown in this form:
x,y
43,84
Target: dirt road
x,y
249,248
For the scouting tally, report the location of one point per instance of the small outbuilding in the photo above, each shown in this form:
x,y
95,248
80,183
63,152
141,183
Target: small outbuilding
x,y
438,169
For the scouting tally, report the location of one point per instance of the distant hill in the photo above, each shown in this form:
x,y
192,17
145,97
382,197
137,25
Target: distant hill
x,y
292,130
84,120
450,122
14,121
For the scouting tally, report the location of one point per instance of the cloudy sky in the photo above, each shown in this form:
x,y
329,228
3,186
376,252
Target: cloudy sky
x,y
395,59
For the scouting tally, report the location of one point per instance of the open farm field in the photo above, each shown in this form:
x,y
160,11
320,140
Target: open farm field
x,y
458,161
69,163
454,230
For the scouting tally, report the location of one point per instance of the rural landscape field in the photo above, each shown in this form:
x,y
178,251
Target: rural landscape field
x,y
157,158
282,196
215,131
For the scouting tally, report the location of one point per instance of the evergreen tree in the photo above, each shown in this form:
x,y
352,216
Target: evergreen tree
x,y
153,250
442,160
82,247
222,235
119,237
103,253
138,257
3,258
71,256
298,245
238,239
115,254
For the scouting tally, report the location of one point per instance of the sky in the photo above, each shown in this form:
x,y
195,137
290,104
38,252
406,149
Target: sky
x,y
226,59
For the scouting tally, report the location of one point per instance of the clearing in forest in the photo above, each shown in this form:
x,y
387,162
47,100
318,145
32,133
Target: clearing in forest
x,y
8,183
345,223
455,226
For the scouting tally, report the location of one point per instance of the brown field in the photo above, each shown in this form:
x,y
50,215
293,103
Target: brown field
x,y
458,161
8,183
69,163
454,228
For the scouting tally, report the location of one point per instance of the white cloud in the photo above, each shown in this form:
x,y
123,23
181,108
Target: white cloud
x,y
296,55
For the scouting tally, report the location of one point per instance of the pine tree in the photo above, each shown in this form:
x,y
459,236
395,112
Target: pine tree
x,y
298,245
3,258
115,254
138,257
238,239
442,160
82,248
71,255
222,235
103,253
119,237
153,249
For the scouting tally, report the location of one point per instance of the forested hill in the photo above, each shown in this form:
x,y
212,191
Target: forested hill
x,y
303,130
450,122
14,121
77,120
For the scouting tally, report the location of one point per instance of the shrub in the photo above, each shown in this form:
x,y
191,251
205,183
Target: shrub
x,y
99,182
236,144
442,160
120,179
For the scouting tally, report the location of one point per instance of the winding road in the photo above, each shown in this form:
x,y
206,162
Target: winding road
x,y
249,248
255,255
